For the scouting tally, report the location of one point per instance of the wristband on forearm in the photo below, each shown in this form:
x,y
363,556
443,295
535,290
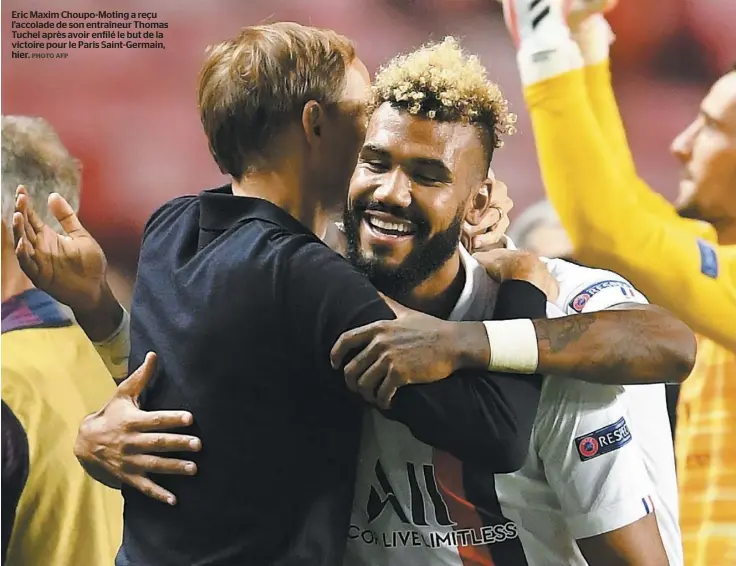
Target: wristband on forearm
x,y
513,345
511,336
115,350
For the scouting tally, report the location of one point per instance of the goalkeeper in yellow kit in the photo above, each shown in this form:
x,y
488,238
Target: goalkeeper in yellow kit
x,y
617,222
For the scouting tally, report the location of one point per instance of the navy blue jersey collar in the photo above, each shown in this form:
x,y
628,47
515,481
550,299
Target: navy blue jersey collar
x,y
221,210
32,309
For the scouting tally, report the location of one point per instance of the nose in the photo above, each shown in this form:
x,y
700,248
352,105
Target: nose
x,y
395,190
682,145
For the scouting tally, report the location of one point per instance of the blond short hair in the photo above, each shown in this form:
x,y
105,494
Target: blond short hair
x,y
33,155
440,81
254,83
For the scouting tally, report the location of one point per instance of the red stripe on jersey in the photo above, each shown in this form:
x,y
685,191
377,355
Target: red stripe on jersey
x,y
449,475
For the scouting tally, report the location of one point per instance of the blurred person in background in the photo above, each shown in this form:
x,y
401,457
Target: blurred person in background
x,y
539,231
683,257
52,512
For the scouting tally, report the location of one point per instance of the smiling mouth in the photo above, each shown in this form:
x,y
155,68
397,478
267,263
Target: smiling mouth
x,y
389,228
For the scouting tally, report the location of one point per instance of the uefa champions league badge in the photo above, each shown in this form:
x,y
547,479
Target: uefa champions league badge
x,y
579,302
603,440
581,299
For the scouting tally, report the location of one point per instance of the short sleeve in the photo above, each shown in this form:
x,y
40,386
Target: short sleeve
x,y
591,457
584,290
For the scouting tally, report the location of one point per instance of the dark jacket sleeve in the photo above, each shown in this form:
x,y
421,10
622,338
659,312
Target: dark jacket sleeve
x,y
15,464
481,417
476,416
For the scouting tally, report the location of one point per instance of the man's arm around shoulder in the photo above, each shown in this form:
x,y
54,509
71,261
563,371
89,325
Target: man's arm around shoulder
x,y
487,420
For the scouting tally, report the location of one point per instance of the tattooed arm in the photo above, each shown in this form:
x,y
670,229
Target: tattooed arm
x,y
619,343
613,335
625,344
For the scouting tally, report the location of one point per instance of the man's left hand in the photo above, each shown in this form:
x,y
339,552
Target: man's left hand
x,y
415,348
489,233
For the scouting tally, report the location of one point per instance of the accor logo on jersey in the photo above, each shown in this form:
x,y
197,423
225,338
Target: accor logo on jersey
x,y
603,440
418,500
426,515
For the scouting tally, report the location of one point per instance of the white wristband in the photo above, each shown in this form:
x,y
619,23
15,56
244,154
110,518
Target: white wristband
x,y
115,350
513,345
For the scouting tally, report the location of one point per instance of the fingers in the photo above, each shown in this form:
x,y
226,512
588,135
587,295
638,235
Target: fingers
x,y
151,489
492,217
134,385
359,365
368,382
66,216
350,341
24,251
490,260
491,239
465,240
19,230
148,464
23,206
161,420
386,392
145,443
493,225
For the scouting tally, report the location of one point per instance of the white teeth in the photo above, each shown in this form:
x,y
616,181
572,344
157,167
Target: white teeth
x,y
393,226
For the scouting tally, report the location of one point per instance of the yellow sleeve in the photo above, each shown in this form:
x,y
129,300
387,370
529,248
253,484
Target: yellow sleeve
x,y
666,257
603,103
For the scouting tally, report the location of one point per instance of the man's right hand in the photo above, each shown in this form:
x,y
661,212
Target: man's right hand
x,y
114,445
70,268
503,264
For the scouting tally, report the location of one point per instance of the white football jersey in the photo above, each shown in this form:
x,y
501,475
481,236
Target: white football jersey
x,y
600,458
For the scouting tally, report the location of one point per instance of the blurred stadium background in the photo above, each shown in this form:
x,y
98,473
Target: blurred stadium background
x,y
131,116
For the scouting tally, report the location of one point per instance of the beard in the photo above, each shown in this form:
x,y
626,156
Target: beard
x,y
427,256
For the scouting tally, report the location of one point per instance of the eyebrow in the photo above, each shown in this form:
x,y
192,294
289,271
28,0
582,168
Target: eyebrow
x,y
372,148
709,117
422,161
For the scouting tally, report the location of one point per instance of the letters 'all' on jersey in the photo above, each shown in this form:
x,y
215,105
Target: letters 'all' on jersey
x,y
600,458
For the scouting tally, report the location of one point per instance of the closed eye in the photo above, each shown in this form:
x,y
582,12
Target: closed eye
x,y
425,180
375,166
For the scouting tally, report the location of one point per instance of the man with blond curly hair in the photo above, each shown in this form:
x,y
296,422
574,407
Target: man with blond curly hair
x,y
600,456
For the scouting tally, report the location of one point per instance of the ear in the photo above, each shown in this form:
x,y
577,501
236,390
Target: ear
x,y
480,200
313,116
